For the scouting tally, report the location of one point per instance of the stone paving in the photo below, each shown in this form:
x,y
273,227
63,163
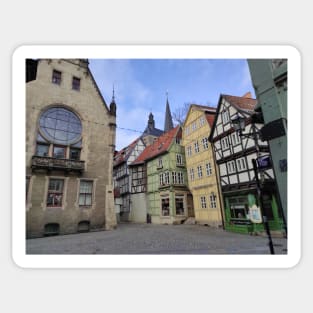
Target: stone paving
x,y
156,239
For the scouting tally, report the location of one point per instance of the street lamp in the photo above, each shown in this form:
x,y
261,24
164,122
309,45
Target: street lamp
x,y
239,124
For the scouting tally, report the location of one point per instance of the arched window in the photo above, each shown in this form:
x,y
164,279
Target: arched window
x,y
59,134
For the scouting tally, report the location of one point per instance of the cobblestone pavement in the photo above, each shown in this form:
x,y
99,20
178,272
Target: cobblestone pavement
x,y
156,239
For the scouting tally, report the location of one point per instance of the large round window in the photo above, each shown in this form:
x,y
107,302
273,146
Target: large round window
x,y
59,125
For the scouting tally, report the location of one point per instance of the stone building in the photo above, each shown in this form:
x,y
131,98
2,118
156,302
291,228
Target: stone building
x,y
70,141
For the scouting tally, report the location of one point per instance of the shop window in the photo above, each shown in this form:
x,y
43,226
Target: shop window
x,y
165,206
55,193
179,205
238,207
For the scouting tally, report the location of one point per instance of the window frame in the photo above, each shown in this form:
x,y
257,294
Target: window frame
x,y
55,193
56,77
76,81
86,193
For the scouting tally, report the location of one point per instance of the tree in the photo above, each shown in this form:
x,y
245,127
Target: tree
x,y
180,113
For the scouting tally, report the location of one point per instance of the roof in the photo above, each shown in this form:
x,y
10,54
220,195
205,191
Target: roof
x,y
122,155
210,117
160,146
244,104
206,109
152,131
241,103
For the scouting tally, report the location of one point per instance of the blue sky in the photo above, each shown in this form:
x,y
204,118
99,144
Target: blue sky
x,y
141,85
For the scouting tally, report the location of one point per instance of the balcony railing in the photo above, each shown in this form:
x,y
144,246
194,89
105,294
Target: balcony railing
x,y
40,162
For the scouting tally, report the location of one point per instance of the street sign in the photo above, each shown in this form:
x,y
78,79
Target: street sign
x,y
264,162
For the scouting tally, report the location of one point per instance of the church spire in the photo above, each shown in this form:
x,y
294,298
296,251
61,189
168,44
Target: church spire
x,y
113,104
168,124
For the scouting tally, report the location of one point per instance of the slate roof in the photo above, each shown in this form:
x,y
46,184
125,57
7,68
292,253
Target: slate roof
x,y
160,146
168,124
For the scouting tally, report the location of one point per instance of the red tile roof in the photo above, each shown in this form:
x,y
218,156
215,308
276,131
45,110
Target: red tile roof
x,y
161,145
243,103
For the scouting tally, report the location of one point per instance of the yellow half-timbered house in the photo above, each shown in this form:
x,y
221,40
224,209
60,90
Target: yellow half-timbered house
x,y
201,168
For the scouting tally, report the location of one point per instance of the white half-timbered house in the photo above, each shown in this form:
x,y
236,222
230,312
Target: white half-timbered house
x,y
233,156
122,178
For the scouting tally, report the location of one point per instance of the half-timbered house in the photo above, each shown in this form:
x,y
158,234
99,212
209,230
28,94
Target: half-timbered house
x,y
234,155
122,178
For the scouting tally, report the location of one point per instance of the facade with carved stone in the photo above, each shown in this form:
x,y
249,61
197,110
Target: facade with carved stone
x,y
70,141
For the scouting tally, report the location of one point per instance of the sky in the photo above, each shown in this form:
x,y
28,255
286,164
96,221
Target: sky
x,y
142,86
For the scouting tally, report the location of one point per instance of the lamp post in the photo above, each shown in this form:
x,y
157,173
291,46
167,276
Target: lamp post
x,y
239,124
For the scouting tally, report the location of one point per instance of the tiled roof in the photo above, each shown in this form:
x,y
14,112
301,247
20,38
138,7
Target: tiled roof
x,y
160,145
123,154
210,118
243,103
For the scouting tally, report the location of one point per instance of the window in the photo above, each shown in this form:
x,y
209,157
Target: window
x,y
194,126
213,200
165,206
161,179
177,140
225,116
160,163
174,177
225,143
231,166
85,193
74,154
179,204
205,143
55,193
56,77
199,171
42,150
180,177
196,147
241,164
76,83
203,202
179,159
235,138
189,151
201,121
61,126
191,174
59,152
208,169
238,207
167,178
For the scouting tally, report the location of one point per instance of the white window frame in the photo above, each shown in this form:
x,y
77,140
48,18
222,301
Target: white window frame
x,y
208,168
179,159
203,202
205,143
212,200
196,145
192,174
199,169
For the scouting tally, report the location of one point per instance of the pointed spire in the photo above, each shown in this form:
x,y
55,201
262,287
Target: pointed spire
x,y
168,124
113,104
